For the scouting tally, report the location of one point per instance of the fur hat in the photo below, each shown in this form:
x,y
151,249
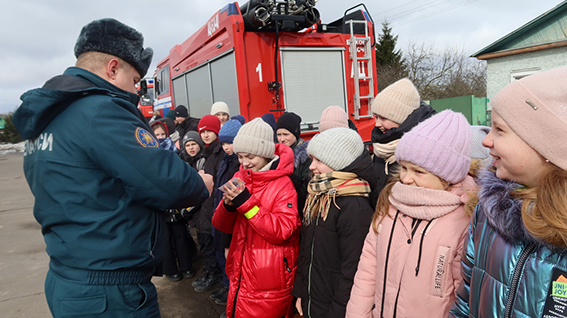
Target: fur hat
x,y
113,37
333,116
210,122
397,101
336,147
181,111
291,122
255,137
229,130
193,136
535,108
220,107
440,145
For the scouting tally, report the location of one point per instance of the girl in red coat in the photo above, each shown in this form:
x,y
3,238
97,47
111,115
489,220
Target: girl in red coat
x,y
261,213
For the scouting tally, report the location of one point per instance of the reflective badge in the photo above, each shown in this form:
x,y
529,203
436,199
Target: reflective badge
x,y
556,303
146,139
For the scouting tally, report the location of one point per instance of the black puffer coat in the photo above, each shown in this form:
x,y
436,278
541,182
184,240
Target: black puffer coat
x,y
330,250
213,154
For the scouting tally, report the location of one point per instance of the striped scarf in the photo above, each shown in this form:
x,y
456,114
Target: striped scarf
x,y
324,188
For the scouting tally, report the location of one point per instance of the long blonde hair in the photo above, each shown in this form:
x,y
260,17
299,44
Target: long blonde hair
x,y
544,208
383,203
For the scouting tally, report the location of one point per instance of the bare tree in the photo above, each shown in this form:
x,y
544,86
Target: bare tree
x,y
444,74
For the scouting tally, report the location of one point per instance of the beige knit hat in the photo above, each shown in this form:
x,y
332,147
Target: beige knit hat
x,y
397,101
333,116
256,137
535,108
220,107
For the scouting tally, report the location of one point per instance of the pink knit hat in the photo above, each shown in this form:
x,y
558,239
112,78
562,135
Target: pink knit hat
x,y
440,145
333,117
535,108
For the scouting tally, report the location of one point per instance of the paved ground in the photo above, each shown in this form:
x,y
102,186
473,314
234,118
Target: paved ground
x,y
24,263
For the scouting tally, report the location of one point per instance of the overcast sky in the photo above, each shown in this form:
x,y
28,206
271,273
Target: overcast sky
x,y
37,36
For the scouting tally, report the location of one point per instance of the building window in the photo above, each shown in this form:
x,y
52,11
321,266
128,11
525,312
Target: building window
x,y
519,74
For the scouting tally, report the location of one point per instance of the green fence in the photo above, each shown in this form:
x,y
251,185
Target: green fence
x,y
474,108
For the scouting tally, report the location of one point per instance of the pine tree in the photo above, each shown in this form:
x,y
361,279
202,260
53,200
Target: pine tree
x,y
390,65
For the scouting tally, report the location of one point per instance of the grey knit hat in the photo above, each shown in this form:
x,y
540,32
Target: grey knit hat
x,y
336,147
113,37
193,136
397,101
479,151
255,137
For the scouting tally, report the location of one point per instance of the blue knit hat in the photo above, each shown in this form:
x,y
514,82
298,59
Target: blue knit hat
x,y
270,119
229,131
240,118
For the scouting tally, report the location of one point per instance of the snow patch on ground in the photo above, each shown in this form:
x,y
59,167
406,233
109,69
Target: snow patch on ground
x,y
12,148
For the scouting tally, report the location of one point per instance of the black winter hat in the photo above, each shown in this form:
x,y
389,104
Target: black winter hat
x,y
115,38
181,111
291,122
168,123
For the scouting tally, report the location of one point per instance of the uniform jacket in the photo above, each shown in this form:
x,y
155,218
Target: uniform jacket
x,y
96,171
262,260
331,248
423,112
413,271
507,271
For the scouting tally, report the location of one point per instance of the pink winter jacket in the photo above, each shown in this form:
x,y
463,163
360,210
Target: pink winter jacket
x,y
422,270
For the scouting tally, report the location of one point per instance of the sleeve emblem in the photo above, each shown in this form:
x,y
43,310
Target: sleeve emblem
x,y
146,139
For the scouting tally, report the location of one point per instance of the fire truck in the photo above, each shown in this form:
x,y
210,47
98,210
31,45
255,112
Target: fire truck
x,y
274,56
146,91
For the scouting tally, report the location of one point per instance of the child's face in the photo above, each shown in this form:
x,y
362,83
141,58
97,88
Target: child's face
x,y
208,136
414,175
223,117
227,147
159,131
513,158
384,124
251,162
285,137
192,148
318,167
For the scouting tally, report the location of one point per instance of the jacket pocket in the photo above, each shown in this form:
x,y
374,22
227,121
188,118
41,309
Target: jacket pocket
x,y
440,268
266,270
83,305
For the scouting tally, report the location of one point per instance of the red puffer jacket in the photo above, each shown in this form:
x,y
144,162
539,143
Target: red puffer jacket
x,y
262,260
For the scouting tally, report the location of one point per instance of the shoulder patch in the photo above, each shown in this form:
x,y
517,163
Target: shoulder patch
x,y
146,139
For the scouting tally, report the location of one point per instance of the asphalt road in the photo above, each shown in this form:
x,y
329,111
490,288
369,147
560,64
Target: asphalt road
x,y
24,262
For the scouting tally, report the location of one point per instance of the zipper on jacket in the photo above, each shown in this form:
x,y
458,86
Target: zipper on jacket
x,y
386,263
236,296
515,279
310,268
286,265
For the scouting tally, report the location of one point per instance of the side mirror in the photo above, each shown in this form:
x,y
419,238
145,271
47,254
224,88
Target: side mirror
x,y
143,88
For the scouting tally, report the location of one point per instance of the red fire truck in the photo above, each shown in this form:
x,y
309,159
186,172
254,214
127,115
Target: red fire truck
x,y
274,56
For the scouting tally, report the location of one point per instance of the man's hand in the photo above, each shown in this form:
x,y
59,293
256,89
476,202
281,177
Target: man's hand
x,y
208,180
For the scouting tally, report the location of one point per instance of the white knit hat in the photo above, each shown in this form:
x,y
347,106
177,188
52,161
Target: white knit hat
x,y
397,101
336,147
256,137
220,107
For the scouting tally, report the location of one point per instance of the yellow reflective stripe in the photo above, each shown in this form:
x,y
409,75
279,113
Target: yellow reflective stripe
x,y
252,212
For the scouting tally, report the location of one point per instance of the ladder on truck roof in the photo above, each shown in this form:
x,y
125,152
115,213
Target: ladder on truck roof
x,y
356,67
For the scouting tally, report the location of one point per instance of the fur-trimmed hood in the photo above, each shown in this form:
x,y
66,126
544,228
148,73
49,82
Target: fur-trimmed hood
x,y
503,212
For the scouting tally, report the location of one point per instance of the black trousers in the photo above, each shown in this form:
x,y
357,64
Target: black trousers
x,y
177,249
207,247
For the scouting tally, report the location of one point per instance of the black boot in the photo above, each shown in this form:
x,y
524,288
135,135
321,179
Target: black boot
x,y
221,299
200,280
214,295
211,282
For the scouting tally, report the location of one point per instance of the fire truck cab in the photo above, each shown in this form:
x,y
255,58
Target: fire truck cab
x,y
274,56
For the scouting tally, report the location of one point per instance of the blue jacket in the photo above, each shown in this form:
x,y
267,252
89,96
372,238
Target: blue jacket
x,y
96,171
507,271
